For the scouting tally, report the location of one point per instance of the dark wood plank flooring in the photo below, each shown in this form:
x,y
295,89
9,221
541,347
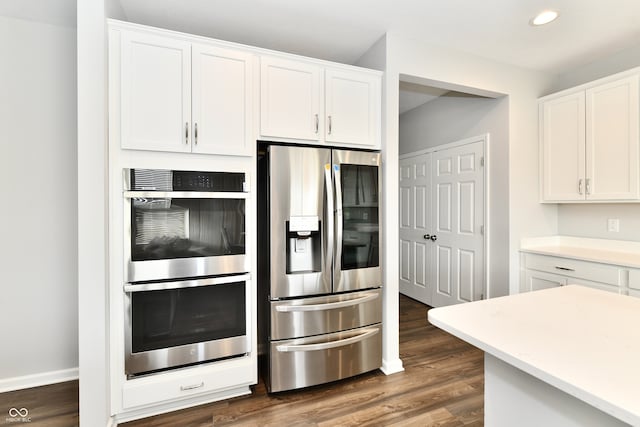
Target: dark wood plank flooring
x,y
442,385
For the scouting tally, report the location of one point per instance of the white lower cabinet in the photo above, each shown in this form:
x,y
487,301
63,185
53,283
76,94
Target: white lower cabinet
x,y
537,280
188,383
543,271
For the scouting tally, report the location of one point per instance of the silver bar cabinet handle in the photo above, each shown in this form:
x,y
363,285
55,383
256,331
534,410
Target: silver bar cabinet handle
x,y
195,133
587,186
186,133
580,186
329,125
317,119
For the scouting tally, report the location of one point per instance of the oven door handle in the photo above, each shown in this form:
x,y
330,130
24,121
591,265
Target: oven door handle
x,y
326,306
185,195
327,345
163,286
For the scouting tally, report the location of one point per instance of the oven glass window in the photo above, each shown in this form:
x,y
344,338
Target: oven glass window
x,y
169,318
167,228
360,237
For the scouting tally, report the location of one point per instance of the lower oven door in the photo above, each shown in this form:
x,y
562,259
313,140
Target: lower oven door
x,y
171,324
321,315
319,359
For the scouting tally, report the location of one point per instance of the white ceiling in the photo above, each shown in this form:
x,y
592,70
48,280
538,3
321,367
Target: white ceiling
x,y
413,95
342,31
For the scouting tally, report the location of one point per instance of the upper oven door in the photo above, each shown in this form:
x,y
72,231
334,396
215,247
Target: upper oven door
x,y
178,234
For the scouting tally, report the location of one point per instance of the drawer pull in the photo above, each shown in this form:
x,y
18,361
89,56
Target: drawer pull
x,y
564,268
191,387
326,306
327,345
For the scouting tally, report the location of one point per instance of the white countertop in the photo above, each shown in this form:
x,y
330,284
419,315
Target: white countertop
x,y
617,252
584,341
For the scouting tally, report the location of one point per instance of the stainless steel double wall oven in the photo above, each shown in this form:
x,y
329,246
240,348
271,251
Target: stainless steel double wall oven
x,y
319,264
186,268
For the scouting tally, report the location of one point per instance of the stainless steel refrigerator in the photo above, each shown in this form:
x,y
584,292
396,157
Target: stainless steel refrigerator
x,y
319,264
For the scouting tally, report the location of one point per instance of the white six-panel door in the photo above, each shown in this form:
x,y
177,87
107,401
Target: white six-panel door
x,y
441,225
415,223
458,216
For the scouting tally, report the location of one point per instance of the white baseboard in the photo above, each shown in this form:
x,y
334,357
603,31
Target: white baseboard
x,y
392,366
37,380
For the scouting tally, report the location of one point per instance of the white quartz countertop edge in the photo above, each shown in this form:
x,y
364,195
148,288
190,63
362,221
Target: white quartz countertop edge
x,y
593,399
616,252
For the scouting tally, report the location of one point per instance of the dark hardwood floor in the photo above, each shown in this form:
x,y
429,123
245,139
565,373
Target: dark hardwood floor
x,y
51,405
442,385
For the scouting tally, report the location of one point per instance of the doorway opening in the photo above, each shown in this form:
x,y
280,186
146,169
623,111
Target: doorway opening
x,y
453,191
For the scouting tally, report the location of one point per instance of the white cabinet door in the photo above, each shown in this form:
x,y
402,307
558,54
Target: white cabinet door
x,y
290,99
352,103
536,280
222,101
155,93
563,151
415,227
612,117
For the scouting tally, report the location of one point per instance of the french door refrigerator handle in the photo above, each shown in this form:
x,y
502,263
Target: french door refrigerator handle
x,y
327,306
327,345
329,215
338,252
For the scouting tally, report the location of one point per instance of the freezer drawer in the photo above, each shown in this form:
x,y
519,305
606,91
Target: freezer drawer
x,y
322,315
315,360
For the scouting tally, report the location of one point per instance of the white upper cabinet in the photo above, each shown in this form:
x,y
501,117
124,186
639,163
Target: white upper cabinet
x,y
590,142
304,101
183,97
155,93
563,150
352,103
289,99
222,101
612,140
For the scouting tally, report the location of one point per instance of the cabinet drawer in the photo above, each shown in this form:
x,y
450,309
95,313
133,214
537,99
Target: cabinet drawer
x,y
595,285
634,293
315,360
634,279
574,268
189,382
321,315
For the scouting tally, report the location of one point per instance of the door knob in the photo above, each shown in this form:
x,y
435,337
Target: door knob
x,y
433,238
427,236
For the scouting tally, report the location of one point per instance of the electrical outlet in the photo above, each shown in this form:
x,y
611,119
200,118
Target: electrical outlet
x,y
613,225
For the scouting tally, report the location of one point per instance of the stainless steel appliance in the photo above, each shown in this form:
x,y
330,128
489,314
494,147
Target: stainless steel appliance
x,y
186,265
183,224
319,264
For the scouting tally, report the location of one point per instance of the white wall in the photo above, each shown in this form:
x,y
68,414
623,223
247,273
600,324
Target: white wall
x,y
38,183
455,117
527,217
92,213
376,58
590,220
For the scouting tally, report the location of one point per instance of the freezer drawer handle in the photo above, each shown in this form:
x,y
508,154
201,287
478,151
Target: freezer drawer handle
x,y
326,306
327,345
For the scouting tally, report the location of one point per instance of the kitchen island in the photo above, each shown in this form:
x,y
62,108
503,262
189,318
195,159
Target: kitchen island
x,y
567,356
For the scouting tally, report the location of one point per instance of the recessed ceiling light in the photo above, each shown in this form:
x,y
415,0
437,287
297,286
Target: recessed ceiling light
x,y
544,17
